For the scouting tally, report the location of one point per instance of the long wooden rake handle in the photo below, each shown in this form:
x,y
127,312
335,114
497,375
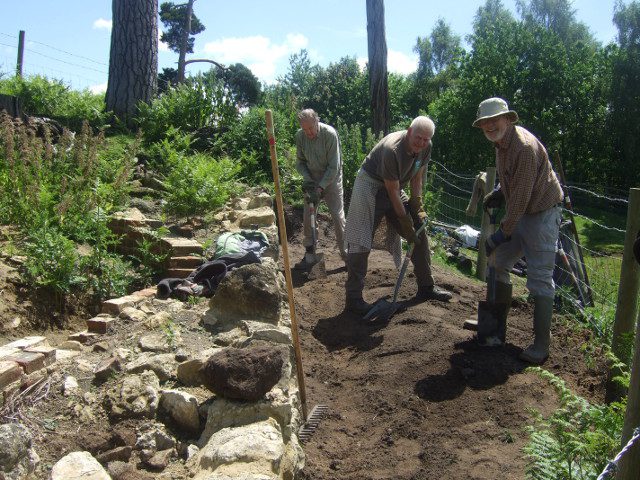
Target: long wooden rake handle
x,y
282,229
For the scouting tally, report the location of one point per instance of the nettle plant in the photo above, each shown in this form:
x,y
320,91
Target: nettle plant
x,y
59,195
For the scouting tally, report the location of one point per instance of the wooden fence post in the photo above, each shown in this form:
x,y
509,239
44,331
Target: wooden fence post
x,y
629,464
628,289
485,229
20,54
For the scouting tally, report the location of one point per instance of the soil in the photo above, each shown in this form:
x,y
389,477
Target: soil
x,y
409,398
413,397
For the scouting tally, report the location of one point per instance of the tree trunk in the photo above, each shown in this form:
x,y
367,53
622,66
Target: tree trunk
x,y
133,60
184,41
378,86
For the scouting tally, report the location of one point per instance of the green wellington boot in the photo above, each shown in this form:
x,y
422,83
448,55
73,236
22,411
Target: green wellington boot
x,y
495,335
542,313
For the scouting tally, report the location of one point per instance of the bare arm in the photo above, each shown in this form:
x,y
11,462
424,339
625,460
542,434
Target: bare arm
x,y
393,189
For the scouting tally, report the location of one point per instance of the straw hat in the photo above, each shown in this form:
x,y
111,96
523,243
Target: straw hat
x,y
494,107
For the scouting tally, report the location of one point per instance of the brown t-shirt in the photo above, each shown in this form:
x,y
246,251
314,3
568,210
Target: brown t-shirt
x,y
390,159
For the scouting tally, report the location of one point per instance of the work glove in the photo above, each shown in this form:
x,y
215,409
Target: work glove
x,y
406,230
494,199
416,208
636,248
311,192
492,241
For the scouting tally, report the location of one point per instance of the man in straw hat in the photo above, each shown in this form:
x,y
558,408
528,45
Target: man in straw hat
x,y
532,194
398,160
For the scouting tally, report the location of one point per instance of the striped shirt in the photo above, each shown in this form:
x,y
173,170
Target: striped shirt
x,y
318,159
526,177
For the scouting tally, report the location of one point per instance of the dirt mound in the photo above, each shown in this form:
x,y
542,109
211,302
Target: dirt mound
x,y
414,398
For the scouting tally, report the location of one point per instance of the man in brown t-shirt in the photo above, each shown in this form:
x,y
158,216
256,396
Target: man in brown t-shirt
x,y
398,159
529,187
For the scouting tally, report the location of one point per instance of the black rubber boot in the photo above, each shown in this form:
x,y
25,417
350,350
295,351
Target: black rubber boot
x,y
357,306
432,293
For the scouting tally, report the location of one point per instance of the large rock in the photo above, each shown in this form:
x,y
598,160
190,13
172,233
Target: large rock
x,y
79,466
17,457
182,408
244,373
251,292
163,365
255,449
135,396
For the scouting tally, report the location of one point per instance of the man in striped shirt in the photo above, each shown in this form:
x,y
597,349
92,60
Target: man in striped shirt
x,y
532,194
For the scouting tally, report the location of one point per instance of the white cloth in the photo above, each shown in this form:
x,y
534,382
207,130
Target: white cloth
x,y
467,235
359,231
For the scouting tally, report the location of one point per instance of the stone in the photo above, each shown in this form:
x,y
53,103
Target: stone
x,y
100,325
189,373
251,292
261,200
160,460
182,408
121,454
244,373
261,216
132,314
156,342
71,345
255,448
135,396
78,466
82,337
107,368
70,386
163,365
18,459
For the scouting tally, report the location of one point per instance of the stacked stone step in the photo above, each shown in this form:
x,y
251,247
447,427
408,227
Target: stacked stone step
x,y
132,228
183,256
23,363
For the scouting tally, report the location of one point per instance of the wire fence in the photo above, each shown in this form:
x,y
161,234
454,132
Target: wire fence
x,y
588,267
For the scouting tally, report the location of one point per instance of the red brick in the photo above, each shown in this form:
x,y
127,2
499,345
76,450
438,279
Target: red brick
x,y
190,261
82,337
100,324
27,342
6,351
48,352
10,371
115,305
30,362
178,272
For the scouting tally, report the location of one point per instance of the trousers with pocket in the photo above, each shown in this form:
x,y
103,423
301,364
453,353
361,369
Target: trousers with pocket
x,y
535,237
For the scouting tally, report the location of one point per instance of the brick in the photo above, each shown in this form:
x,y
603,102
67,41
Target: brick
x,y
115,305
10,372
6,351
27,342
33,378
10,390
30,362
48,352
100,324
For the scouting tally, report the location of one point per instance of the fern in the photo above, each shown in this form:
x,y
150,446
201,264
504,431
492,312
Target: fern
x,y
576,441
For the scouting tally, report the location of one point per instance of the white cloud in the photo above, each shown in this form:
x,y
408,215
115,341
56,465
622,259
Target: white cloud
x,y
258,53
397,62
98,88
102,24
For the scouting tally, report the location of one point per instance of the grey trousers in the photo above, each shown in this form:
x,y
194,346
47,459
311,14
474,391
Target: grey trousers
x,y
357,263
535,237
333,197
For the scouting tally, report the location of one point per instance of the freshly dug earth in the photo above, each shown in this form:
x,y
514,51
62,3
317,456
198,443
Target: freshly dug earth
x,y
408,399
413,398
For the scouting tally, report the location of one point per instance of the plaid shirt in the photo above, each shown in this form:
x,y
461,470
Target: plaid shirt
x,y
526,177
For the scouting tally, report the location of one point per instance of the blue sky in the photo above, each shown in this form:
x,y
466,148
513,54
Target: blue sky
x,y
69,39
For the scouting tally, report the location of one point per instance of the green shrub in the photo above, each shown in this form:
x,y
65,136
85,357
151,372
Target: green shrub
x,y
52,260
52,98
199,183
188,107
576,441
247,142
